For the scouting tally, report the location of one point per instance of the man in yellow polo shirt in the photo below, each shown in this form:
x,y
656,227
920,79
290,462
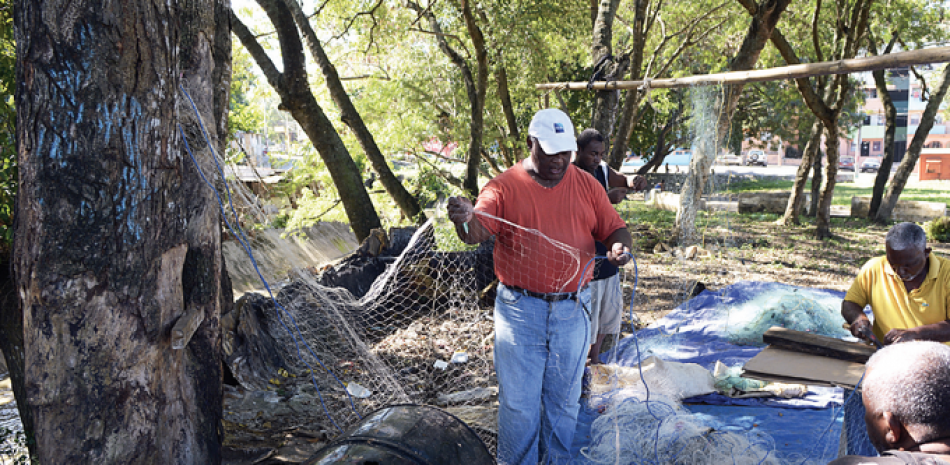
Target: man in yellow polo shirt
x,y
908,291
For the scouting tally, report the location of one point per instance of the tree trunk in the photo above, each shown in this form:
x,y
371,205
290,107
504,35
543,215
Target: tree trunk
x,y
514,136
794,208
513,153
823,216
11,343
816,180
117,261
477,124
760,29
890,129
631,104
352,118
293,88
913,150
606,102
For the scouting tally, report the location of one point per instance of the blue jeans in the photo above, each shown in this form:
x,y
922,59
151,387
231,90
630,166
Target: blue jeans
x,y
540,349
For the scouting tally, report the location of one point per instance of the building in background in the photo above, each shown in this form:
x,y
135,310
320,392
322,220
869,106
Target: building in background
x,y
906,93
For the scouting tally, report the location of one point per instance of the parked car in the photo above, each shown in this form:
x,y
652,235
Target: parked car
x,y
871,165
730,159
846,164
756,157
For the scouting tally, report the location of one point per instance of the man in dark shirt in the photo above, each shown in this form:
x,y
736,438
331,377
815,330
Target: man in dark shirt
x,y
606,294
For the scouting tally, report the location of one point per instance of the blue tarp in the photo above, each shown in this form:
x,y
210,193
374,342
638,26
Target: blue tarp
x,y
697,332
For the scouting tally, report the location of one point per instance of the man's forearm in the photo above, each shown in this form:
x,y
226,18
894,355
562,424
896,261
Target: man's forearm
x,y
938,332
851,311
622,236
472,233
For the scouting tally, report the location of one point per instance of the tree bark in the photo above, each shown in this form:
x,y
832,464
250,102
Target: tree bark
x,y
477,125
817,178
294,90
352,118
906,167
117,236
823,214
794,209
513,153
760,29
890,130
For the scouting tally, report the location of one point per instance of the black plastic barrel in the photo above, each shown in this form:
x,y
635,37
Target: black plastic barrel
x,y
406,434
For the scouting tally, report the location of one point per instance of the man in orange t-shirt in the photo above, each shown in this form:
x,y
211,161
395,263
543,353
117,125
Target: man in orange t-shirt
x,y
546,216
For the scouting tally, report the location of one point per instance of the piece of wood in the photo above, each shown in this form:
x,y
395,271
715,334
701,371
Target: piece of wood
x,y
854,65
768,202
917,211
186,326
774,364
816,344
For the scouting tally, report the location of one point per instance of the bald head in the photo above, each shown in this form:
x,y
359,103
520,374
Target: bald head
x,y
911,380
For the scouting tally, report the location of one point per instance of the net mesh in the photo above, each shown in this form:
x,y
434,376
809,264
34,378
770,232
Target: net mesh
x,y
659,431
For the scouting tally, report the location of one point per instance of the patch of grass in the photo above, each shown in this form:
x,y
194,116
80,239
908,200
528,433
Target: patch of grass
x,y
756,185
843,191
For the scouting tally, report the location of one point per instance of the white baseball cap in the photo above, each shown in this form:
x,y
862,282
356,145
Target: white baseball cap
x,y
553,130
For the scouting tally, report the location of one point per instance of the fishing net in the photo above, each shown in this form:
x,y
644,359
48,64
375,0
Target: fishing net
x,y
410,320
635,430
786,308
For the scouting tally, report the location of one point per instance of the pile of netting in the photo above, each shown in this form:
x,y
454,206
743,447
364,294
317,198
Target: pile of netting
x,y
789,309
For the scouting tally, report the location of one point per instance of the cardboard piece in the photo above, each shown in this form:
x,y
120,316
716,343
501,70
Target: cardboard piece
x,y
774,364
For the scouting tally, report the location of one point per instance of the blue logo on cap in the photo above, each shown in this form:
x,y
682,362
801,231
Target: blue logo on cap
x,y
558,128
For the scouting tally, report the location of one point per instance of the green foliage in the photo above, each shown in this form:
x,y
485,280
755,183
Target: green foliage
x,y
245,114
8,161
938,229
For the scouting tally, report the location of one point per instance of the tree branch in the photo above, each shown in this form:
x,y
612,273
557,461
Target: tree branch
x,y
257,52
809,94
372,14
816,43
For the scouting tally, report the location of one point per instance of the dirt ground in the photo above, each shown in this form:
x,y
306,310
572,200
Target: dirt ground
x,y
752,252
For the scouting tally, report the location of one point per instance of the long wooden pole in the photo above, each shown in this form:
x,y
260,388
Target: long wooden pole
x,y
854,65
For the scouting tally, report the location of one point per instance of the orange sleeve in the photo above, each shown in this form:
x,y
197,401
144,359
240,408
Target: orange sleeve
x,y
490,201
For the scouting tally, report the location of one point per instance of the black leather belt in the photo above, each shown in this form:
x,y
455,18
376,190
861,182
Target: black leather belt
x,y
552,297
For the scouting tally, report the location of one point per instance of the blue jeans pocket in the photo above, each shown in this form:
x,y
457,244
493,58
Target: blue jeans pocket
x,y
508,296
